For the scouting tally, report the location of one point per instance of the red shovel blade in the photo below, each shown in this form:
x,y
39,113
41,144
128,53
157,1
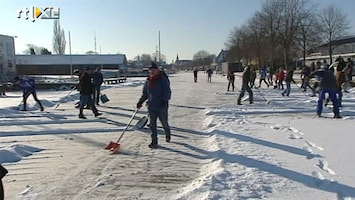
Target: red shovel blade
x,y
116,149
111,145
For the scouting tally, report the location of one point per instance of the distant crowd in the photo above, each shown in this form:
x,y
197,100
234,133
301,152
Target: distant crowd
x,y
327,81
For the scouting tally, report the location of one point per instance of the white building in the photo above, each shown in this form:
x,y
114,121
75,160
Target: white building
x,y
64,64
7,58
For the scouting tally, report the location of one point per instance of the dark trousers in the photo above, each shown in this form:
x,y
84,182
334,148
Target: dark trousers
x,y
162,114
86,99
263,79
245,87
25,97
1,191
209,78
3,172
280,84
231,83
96,94
333,98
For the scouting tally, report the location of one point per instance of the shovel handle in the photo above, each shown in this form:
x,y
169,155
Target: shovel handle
x,y
129,122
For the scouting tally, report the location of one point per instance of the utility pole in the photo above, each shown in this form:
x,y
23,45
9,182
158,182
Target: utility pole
x,y
70,58
156,55
95,41
159,48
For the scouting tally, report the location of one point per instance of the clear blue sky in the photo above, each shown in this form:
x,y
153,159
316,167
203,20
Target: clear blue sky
x,y
131,26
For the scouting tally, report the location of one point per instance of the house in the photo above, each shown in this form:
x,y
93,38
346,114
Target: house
x,y
65,64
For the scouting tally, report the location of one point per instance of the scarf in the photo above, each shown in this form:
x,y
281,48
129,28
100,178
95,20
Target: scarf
x,y
153,81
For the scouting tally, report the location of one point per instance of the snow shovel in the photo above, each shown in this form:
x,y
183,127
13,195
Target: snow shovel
x,y
142,122
115,146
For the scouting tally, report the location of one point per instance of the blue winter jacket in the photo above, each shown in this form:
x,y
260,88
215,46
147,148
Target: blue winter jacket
x,y
27,85
158,95
327,79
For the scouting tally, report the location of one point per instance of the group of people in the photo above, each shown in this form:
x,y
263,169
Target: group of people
x,y
327,82
209,72
156,92
90,87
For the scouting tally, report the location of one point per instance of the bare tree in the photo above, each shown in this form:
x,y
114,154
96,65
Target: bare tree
x,y
239,43
146,59
309,35
291,13
334,24
59,41
91,52
202,57
257,40
156,57
269,20
45,51
32,49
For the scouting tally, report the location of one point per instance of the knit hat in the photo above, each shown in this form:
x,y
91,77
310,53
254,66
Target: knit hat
x,y
153,66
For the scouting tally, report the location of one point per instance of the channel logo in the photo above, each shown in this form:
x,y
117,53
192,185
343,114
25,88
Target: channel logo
x,y
35,13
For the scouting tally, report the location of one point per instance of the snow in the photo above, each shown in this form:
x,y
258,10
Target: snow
x,y
275,148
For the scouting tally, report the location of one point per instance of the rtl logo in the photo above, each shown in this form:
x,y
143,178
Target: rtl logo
x,y
39,13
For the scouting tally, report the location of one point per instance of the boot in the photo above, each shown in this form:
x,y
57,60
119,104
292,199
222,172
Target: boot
x,y
24,107
337,116
167,138
81,116
153,146
40,105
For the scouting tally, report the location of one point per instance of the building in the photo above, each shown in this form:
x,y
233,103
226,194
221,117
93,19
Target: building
x,y
65,64
344,47
7,58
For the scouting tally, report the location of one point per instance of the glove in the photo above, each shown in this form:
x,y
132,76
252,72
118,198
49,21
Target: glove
x,y
139,105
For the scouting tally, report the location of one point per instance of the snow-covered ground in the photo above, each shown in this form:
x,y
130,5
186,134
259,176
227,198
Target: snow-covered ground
x,y
275,148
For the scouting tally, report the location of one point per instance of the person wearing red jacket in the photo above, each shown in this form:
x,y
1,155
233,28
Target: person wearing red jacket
x,y
280,77
157,93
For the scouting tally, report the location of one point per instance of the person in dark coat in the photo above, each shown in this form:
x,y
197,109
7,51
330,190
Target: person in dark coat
x,y
305,74
209,75
157,91
28,88
195,74
97,80
245,86
328,84
86,90
3,172
340,77
252,77
231,80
